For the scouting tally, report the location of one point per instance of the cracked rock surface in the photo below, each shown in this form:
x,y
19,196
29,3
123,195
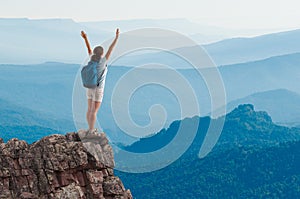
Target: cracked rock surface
x,y
59,166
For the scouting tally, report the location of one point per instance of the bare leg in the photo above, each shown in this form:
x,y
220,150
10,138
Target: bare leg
x,y
93,114
88,112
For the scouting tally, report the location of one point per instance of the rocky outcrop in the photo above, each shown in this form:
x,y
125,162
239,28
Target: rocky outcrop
x,y
59,166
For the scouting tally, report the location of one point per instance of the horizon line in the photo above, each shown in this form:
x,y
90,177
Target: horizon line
x,y
287,28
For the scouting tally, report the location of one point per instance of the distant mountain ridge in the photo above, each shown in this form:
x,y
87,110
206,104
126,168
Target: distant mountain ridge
x,y
230,51
61,42
254,128
37,41
283,105
240,50
279,72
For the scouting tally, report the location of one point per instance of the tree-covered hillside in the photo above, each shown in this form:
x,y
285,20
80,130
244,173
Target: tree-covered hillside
x,y
254,158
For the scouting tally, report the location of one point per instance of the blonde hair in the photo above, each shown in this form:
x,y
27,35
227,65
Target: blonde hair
x,y
97,53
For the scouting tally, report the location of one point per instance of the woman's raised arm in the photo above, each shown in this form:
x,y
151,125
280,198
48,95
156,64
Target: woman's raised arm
x,y
84,36
112,45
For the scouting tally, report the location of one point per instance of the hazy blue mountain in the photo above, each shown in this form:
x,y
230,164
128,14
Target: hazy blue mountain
x,y
182,25
280,72
198,32
30,41
253,158
238,50
15,120
185,26
241,80
43,87
283,105
229,51
33,97
28,133
48,88
14,115
41,40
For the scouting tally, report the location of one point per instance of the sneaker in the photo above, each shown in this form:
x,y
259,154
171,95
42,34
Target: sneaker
x,y
91,134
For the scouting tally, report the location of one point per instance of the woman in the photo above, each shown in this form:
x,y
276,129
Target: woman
x,y
95,95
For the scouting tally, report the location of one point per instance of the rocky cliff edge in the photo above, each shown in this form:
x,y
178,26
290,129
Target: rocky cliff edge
x,y
59,166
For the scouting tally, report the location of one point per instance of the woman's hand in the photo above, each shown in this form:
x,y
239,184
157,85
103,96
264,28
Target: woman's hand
x,y
83,35
117,33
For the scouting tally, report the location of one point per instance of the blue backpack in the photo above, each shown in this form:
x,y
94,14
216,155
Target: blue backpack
x,y
89,75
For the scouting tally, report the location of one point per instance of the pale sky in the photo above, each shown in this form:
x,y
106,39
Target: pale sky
x,y
258,14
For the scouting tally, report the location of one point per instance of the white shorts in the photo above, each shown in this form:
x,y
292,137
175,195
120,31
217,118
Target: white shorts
x,y
95,94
